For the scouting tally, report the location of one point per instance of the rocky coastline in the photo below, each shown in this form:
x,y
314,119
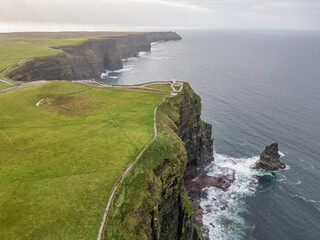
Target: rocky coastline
x,y
88,59
196,180
197,137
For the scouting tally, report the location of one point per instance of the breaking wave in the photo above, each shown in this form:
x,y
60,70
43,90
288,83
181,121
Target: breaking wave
x,y
222,209
117,73
142,54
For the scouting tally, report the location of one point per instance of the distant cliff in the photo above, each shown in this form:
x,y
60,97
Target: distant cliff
x,y
152,202
88,59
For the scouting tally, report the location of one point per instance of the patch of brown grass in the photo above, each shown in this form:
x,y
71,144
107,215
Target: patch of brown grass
x,y
70,106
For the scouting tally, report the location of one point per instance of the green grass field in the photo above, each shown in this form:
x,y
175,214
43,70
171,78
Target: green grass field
x,y
4,85
160,86
17,46
177,88
59,161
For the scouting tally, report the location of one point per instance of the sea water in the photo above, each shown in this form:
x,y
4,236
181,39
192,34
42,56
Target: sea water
x,y
256,87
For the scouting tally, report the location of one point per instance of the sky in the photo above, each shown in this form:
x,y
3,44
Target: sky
x,y
132,15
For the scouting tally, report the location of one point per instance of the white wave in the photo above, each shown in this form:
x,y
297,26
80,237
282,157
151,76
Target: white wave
x,y
159,58
288,167
132,59
143,54
303,198
115,74
121,70
105,74
283,178
228,223
281,154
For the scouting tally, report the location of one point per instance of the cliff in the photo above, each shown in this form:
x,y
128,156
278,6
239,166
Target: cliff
x,y
88,59
152,202
196,134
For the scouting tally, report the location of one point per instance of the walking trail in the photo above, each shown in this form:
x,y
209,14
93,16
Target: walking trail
x,y
4,71
173,93
135,160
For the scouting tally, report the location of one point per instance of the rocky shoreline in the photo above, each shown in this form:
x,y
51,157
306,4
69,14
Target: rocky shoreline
x,y
196,181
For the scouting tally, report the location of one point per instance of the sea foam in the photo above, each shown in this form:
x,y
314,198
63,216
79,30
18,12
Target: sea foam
x,y
222,209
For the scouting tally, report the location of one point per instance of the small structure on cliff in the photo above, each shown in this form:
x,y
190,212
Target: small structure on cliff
x,y
270,158
174,80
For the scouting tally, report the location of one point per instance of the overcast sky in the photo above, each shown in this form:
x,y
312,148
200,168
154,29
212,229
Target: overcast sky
x,y
55,15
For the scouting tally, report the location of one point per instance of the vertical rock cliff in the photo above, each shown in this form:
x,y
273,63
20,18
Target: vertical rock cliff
x,y
196,134
88,59
152,202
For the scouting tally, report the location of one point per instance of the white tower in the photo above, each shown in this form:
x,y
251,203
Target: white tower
x,y
174,80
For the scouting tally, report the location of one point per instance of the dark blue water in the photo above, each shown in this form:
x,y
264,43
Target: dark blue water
x,y
256,87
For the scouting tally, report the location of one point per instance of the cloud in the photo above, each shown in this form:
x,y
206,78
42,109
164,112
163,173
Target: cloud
x,y
135,14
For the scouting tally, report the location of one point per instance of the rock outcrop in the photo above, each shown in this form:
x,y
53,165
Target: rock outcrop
x,y
270,158
88,59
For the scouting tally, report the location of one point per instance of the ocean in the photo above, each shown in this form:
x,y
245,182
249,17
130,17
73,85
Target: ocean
x,y
256,87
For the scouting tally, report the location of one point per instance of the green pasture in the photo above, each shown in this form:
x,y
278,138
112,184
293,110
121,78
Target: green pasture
x,y
60,160
177,88
4,85
17,46
160,86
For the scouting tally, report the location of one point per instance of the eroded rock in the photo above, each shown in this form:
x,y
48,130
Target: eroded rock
x,y
270,158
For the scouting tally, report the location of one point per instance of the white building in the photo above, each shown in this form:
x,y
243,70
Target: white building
x,y
174,80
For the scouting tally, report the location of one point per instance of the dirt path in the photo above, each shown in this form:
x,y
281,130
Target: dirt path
x,y
144,85
130,166
21,85
173,93
4,71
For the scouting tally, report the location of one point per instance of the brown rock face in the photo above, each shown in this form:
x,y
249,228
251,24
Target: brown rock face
x,y
270,159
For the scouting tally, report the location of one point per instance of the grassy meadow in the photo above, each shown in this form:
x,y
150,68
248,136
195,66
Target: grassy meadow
x,y
17,46
4,85
160,86
60,160
177,88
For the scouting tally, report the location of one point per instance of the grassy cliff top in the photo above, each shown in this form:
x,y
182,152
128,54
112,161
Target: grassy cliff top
x,y
60,160
4,85
159,168
16,46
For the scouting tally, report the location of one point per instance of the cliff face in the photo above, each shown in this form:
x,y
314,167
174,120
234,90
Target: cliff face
x,y
152,202
156,36
196,133
89,59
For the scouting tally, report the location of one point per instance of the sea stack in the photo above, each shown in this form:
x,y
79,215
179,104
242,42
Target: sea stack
x,y
270,158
